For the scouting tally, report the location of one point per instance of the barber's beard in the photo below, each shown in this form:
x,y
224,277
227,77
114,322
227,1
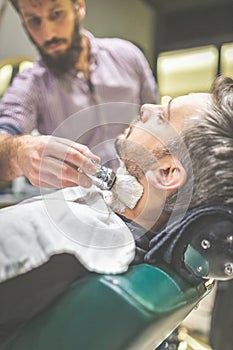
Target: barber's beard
x,y
62,63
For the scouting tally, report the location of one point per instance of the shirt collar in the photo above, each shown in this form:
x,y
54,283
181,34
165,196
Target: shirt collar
x,y
94,48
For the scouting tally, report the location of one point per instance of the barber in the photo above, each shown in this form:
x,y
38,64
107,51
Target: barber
x,y
75,71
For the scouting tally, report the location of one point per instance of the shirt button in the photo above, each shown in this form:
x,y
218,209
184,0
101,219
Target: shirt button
x,y
80,75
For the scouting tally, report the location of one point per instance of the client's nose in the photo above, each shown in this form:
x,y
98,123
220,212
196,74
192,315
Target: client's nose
x,y
149,110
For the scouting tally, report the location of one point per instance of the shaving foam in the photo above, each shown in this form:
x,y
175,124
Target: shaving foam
x,y
125,192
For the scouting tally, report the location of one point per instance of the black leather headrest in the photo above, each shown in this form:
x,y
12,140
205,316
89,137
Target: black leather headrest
x,y
198,246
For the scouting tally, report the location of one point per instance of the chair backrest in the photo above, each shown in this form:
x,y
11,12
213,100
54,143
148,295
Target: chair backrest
x,y
135,310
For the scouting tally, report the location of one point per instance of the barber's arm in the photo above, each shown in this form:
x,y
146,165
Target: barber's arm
x,y
47,161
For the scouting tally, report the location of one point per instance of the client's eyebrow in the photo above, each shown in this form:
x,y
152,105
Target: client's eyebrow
x,y
169,109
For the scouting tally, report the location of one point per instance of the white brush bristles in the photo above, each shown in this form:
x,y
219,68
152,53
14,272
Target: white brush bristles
x,y
125,193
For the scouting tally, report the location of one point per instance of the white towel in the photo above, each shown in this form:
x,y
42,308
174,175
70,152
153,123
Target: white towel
x,y
73,220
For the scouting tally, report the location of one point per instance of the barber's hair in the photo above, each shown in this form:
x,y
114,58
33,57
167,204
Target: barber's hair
x,y
16,6
208,152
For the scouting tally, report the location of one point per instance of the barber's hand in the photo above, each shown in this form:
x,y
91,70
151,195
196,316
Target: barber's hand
x,y
49,161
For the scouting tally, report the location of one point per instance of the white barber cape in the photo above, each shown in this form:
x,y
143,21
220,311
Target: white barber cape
x,y
73,220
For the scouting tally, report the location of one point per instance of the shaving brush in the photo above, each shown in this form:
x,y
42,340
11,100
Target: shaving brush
x,y
120,189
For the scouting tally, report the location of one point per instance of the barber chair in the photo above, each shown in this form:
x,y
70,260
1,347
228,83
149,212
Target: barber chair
x,y
136,310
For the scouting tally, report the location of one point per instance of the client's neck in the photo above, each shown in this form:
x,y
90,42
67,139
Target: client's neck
x,y
148,212
150,223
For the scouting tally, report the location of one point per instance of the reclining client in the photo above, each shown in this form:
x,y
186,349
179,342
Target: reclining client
x,y
175,159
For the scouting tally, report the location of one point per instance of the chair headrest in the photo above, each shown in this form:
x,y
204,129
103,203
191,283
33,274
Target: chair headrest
x,y
198,246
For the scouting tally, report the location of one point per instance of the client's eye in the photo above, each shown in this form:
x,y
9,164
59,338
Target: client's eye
x,y
160,117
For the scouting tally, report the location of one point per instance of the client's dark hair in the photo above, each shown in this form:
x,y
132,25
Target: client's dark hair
x,y
208,137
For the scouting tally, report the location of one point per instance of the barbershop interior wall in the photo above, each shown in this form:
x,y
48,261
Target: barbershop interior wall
x,y
131,19
128,19
14,41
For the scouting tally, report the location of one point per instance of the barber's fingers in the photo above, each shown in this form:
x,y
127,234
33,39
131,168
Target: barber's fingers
x,y
53,162
79,147
81,161
77,155
54,173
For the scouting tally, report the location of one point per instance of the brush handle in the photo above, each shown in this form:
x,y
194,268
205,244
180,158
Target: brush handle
x,y
104,178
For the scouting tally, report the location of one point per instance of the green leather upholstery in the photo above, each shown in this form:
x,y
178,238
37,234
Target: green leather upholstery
x,y
135,310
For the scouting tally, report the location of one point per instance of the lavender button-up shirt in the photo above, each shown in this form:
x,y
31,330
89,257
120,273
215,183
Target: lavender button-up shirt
x,y
120,81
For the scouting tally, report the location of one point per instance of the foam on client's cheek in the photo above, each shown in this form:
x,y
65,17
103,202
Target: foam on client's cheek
x,y
125,193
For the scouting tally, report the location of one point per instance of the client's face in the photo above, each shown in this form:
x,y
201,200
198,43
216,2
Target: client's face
x,y
144,142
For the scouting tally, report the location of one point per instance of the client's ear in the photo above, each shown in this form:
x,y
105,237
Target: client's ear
x,y
170,174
